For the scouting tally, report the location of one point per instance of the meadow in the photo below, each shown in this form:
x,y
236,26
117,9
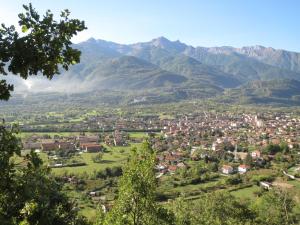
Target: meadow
x,y
113,156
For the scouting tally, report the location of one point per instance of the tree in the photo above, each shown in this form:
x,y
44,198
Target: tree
x,y
284,147
279,157
275,207
182,211
97,158
43,46
136,203
212,167
248,160
212,209
234,180
28,192
272,149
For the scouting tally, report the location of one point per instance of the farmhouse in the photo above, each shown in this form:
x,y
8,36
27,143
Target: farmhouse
x,y
49,146
88,139
172,169
181,165
226,169
66,146
243,168
255,154
31,145
91,147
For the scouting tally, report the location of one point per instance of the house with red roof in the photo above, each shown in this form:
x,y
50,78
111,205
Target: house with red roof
x,y
243,168
226,169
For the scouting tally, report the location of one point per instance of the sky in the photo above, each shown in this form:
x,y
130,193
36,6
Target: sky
x,y
271,23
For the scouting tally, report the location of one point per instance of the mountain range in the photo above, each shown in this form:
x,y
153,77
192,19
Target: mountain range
x,y
177,71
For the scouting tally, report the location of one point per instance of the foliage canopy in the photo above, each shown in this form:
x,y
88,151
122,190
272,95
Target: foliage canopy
x,y
42,47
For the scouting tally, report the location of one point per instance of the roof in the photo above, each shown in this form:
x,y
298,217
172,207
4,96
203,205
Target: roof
x,y
244,166
49,145
172,168
256,152
227,167
181,165
84,145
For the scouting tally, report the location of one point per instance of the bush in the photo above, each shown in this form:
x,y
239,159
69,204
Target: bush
x,y
258,178
234,180
97,158
115,171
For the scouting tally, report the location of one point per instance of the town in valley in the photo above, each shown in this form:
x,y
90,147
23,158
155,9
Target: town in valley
x,y
195,152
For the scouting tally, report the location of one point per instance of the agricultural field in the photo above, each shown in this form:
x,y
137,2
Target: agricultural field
x,y
246,193
23,135
114,156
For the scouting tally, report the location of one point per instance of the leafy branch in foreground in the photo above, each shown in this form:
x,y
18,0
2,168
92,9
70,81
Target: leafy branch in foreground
x,y
28,192
43,46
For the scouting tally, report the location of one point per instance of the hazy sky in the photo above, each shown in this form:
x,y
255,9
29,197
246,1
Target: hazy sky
x,y
274,23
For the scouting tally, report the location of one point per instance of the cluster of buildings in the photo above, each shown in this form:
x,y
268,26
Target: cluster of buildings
x,y
117,138
216,131
238,134
170,162
90,143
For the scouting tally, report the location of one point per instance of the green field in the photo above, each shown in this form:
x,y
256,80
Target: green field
x,y
138,134
23,135
244,193
115,156
296,183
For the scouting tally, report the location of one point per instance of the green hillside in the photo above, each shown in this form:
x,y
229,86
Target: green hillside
x,y
276,92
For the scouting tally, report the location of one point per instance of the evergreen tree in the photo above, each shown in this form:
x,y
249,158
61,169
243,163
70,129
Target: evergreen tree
x,y
248,160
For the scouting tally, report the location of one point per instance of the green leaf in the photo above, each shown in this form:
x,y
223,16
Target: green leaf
x,y
24,28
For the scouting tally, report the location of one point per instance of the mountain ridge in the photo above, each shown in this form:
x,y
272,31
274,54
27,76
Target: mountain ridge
x,y
214,56
170,68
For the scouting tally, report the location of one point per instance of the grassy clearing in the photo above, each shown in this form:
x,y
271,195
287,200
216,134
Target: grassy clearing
x,y
292,170
23,135
138,134
195,187
165,116
296,183
248,192
116,156
89,212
